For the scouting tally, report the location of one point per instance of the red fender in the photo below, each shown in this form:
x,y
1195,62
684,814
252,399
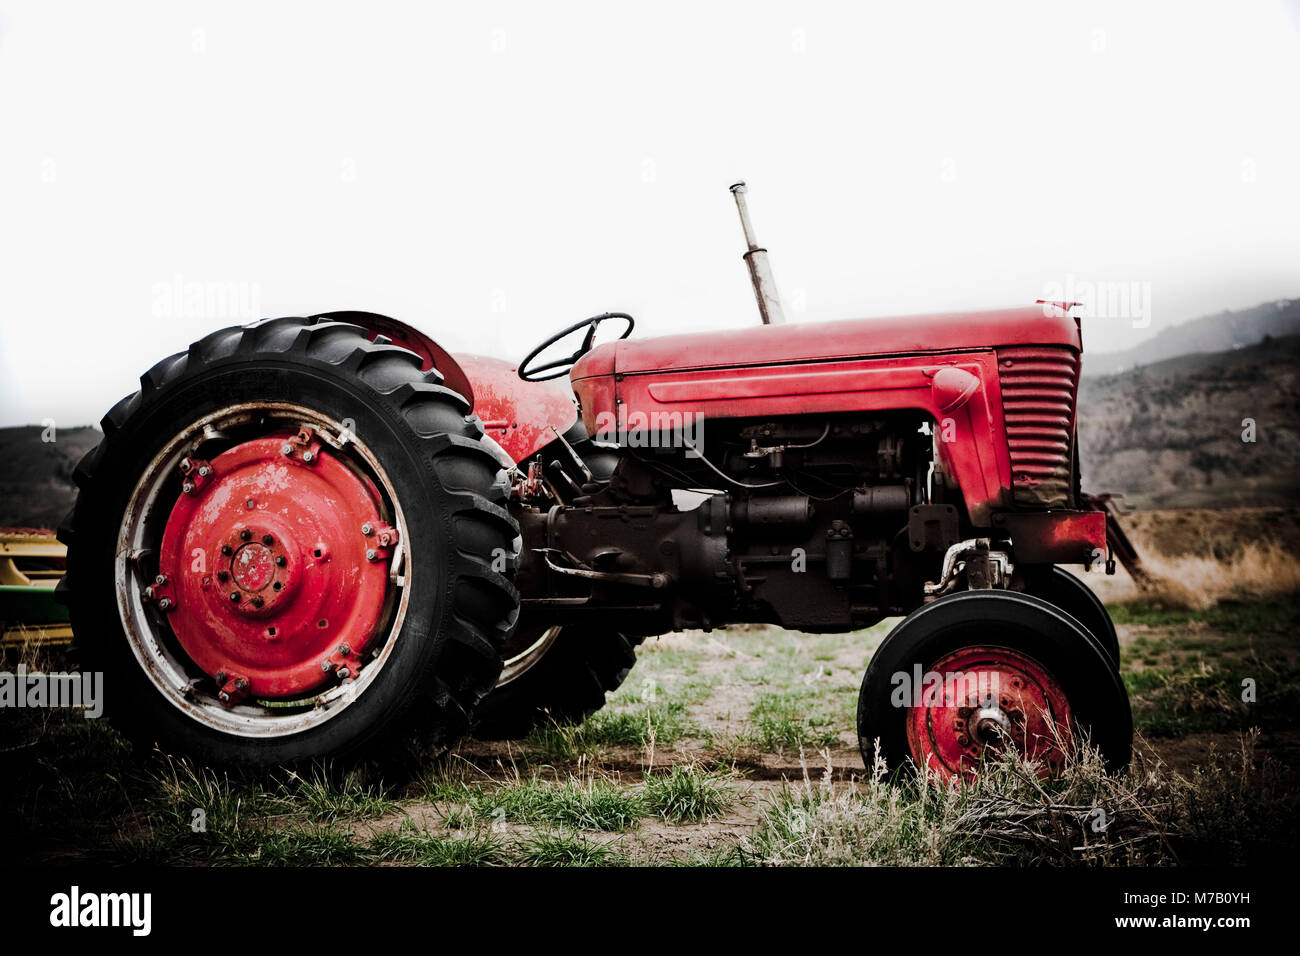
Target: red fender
x,y
518,415
411,338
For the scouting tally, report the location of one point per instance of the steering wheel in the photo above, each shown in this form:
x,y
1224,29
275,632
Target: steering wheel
x,y
561,367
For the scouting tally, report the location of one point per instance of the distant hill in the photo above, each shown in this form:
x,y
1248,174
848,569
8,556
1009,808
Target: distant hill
x,y
1213,333
1169,434
36,488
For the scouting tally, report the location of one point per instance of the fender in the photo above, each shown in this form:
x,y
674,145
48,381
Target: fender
x,y
517,415
412,339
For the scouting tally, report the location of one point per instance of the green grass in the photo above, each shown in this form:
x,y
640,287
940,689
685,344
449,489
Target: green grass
x,y
667,720
688,794
1191,680
1276,617
589,804
413,847
311,846
789,721
562,849
327,801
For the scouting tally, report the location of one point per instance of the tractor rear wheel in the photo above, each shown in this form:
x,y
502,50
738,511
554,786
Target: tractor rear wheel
x,y
284,549
554,675
979,671
1059,587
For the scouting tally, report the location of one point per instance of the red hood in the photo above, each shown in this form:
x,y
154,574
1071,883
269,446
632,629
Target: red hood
x,y
821,341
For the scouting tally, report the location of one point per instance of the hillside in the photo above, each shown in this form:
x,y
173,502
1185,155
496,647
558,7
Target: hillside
x,y
1170,434
1213,333
36,488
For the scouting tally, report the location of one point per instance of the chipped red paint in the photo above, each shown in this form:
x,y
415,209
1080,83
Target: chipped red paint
x,y
409,337
517,415
1055,537
984,698
265,570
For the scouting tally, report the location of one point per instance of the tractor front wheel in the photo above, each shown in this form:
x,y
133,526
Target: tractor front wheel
x,y
1059,587
982,671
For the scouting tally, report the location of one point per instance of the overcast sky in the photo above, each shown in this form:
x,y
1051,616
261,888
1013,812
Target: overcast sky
x,y
491,173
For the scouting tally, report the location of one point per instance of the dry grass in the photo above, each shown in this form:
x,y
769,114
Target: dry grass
x,y
1195,581
1222,812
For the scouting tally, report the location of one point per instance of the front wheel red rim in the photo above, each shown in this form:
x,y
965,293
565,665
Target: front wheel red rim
x,y
984,699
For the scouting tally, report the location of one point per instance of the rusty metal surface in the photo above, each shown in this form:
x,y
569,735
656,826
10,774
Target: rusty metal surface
x,y
149,638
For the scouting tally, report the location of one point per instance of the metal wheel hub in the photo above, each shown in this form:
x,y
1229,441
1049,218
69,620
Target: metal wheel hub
x,y
990,698
273,568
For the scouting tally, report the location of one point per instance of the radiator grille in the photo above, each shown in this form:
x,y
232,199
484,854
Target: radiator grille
x,y
1038,394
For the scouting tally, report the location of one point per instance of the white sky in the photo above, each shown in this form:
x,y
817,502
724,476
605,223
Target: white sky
x,y
493,173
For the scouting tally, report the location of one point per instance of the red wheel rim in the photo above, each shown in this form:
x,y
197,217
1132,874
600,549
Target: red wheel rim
x,y
274,568
981,698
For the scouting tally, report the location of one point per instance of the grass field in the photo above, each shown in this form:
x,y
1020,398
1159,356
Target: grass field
x,y
723,748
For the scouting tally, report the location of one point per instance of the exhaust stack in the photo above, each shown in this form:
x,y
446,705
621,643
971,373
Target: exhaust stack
x,y
760,272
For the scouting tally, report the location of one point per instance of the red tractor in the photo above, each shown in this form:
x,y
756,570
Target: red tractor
x,y
311,536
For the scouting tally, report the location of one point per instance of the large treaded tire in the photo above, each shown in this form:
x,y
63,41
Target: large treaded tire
x,y
446,655
566,686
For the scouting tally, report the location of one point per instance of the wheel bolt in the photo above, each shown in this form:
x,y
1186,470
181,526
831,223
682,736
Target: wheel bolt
x,y
245,535
147,593
241,683
227,550
258,602
326,666
223,697
187,487
204,471
223,575
280,561
286,449
161,579
219,677
165,604
267,539
344,650
367,528
372,555
343,673
235,596
309,456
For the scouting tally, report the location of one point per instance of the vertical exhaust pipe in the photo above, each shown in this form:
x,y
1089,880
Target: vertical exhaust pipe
x,y
760,272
